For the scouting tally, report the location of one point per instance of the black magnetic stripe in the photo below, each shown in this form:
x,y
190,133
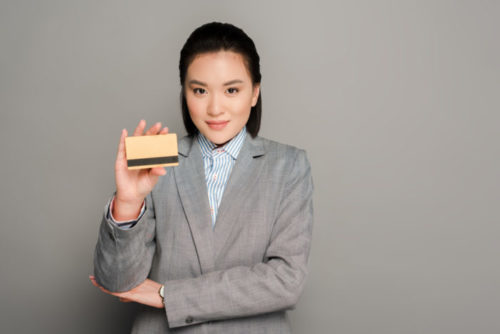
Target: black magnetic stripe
x,y
152,161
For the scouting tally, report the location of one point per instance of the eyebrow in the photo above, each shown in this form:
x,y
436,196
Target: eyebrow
x,y
232,82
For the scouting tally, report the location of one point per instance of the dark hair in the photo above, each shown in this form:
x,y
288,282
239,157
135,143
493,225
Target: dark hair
x,y
213,37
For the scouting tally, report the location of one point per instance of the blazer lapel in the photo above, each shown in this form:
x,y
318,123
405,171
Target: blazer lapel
x,y
190,180
245,171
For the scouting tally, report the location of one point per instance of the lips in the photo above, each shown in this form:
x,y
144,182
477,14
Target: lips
x,y
217,125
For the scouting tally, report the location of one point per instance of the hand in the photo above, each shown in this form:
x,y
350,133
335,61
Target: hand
x,y
145,293
132,186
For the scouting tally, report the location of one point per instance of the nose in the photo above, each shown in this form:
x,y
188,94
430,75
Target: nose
x,y
215,107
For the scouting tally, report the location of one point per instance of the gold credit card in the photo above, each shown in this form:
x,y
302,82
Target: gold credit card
x,y
151,151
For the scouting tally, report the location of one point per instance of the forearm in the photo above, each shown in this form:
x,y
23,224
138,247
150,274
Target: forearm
x,y
122,258
236,292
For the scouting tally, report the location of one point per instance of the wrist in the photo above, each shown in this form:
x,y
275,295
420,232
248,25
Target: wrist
x,y
125,210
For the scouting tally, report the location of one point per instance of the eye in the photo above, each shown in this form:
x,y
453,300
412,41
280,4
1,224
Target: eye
x,y
199,91
232,90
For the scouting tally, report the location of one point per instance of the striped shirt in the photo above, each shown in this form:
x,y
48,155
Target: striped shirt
x,y
218,163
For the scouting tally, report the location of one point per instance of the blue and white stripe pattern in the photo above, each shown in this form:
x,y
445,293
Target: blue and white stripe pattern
x,y
218,163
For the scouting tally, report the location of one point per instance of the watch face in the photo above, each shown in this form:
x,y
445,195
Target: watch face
x,y
162,291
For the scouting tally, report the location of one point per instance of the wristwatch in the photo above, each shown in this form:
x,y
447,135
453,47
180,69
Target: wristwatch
x,y
162,294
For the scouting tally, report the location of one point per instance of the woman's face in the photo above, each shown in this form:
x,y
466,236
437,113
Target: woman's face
x,y
219,94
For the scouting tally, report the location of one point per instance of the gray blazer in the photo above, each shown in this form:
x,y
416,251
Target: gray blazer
x,y
239,277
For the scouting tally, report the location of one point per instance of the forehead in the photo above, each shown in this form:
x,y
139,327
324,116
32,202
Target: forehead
x,y
220,66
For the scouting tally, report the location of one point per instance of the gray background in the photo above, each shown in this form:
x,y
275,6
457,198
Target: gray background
x,y
397,104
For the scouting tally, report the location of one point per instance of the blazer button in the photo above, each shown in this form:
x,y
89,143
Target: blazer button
x,y
189,320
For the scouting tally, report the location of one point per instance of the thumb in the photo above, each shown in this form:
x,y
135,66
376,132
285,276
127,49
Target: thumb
x,y
121,146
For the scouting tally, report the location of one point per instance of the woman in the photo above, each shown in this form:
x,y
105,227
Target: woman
x,y
219,243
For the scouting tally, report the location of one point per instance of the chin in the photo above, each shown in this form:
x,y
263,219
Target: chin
x,y
219,138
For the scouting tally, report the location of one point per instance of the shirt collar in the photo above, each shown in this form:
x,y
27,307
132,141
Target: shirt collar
x,y
233,147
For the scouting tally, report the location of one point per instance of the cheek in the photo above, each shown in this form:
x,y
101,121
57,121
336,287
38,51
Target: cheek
x,y
242,104
195,107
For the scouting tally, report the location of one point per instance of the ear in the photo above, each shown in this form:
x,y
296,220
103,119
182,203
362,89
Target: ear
x,y
255,94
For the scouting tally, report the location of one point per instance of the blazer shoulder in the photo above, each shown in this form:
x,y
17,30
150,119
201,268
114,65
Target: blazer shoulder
x,y
281,151
288,163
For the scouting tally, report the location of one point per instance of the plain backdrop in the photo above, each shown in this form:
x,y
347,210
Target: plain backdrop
x,y
396,102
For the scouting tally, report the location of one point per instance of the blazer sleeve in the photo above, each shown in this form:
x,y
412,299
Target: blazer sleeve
x,y
272,285
123,257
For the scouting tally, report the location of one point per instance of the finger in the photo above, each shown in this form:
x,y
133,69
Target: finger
x,y
116,294
154,129
94,282
125,300
140,128
105,291
164,131
121,146
158,171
